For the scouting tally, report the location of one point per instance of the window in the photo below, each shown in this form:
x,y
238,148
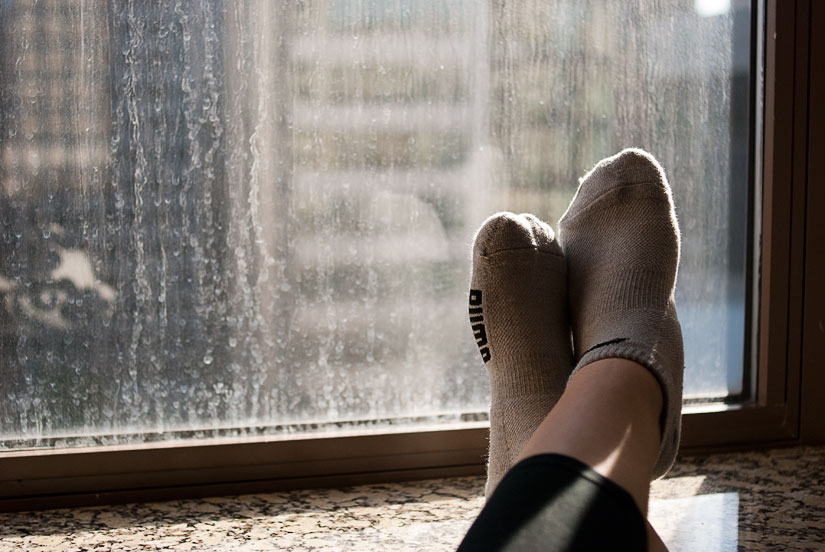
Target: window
x,y
252,219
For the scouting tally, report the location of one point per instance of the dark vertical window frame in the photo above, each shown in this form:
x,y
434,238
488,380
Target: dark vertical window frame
x,y
772,415
812,418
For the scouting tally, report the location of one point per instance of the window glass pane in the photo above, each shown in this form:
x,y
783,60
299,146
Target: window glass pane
x,y
242,217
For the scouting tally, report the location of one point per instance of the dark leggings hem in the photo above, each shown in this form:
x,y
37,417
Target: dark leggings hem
x,y
555,502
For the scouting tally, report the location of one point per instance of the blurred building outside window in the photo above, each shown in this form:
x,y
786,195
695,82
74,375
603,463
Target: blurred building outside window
x,y
232,218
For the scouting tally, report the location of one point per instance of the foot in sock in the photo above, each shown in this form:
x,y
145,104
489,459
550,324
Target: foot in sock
x,y
518,314
621,240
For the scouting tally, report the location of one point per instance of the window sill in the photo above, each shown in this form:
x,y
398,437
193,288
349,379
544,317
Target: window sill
x,y
697,500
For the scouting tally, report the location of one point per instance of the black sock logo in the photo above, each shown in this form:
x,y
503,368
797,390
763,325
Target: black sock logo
x,y
477,322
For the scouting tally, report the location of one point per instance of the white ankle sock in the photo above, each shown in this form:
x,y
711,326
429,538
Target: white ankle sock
x,y
518,314
621,241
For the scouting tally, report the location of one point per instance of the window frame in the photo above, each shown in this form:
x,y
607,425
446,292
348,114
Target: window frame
x,y
786,409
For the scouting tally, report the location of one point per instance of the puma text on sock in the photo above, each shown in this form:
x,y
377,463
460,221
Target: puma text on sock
x,y
518,315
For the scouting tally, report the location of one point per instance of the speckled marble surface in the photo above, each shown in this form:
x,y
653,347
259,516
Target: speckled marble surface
x,y
770,500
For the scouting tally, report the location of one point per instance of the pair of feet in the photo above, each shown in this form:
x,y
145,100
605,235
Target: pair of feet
x,y
543,307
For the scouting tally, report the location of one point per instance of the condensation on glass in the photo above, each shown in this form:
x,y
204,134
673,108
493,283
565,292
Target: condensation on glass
x,y
229,218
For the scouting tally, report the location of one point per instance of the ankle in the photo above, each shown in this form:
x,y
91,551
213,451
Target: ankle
x,y
631,380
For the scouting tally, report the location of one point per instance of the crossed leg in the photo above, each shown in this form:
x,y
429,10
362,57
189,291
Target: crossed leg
x,y
608,418
582,478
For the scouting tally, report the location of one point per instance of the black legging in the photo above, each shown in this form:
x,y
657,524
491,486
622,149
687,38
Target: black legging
x,y
554,502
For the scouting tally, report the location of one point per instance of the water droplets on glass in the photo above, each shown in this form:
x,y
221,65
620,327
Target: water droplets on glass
x,y
226,218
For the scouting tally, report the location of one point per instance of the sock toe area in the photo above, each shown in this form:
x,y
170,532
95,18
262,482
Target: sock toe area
x,y
507,231
631,172
543,234
632,166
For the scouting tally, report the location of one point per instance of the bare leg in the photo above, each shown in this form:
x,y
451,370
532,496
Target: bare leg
x,y
621,411
608,418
